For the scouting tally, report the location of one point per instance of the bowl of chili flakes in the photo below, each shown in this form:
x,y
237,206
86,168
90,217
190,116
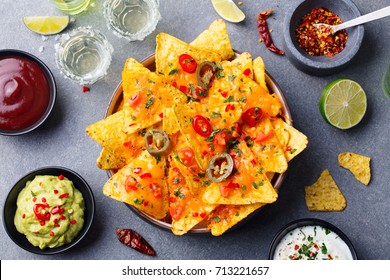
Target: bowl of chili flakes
x,y
312,51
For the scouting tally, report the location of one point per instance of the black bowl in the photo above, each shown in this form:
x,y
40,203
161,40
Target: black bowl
x,y
308,222
10,209
321,65
52,90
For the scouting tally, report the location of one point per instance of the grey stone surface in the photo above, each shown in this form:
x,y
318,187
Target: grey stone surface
x,y
62,139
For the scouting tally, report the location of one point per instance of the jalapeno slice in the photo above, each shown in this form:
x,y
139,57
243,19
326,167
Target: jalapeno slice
x,y
220,167
157,142
204,73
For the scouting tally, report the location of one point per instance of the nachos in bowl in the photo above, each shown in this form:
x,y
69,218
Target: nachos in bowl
x,y
198,141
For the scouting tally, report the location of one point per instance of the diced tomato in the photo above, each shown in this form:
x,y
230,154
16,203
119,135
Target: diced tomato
x,y
131,184
174,84
247,72
134,100
223,93
198,92
202,126
186,155
185,89
261,137
221,138
226,189
237,130
176,212
195,214
187,63
252,116
157,190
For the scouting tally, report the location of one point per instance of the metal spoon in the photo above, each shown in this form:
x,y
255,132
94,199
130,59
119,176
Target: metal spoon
x,y
357,21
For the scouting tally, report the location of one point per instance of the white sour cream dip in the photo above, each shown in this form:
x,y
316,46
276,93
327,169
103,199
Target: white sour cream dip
x,y
312,243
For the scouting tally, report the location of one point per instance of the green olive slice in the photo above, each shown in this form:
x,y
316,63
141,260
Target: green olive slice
x,y
220,167
204,72
157,142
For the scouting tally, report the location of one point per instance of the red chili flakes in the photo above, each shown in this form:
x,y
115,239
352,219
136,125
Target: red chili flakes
x,y
43,199
23,216
229,107
55,191
203,214
42,223
51,233
316,41
73,221
34,199
61,177
247,72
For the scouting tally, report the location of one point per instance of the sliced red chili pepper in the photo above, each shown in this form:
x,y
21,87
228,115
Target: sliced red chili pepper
x,y
172,199
202,126
229,107
261,137
40,211
252,116
247,72
186,155
134,100
187,63
176,212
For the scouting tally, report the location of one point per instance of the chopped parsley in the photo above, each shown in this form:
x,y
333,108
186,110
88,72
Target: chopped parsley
x,y
149,102
229,99
231,78
173,71
215,115
217,219
137,201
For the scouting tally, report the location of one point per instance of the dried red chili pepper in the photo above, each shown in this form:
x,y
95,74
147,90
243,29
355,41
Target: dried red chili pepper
x,y
264,32
134,240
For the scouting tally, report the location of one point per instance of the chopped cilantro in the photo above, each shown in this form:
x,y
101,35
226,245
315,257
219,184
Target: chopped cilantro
x,y
173,71
327,231
231,78
217,219
151,81
324,250
242,99
215,115
137,201
149,102
229,99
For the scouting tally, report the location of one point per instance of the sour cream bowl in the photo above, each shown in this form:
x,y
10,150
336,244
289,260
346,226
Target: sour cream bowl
x,y
311,239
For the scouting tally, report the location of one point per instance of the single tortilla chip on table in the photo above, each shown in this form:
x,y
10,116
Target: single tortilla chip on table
x,y
325,195
142,184
225,217
216,39
359,165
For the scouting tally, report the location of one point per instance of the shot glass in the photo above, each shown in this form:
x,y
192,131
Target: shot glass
x,y
132,19
72,7
84,55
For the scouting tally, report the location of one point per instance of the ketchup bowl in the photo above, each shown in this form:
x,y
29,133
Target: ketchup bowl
x,y
27,92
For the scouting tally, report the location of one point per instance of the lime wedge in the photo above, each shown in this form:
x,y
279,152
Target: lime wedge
x,y
343,103
228,10
46,25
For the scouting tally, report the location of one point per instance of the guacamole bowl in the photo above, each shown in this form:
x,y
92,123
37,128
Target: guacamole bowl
x,y
53,217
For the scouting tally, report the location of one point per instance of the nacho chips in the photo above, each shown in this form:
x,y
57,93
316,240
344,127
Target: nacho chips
x,y
359,165
325,195
202,124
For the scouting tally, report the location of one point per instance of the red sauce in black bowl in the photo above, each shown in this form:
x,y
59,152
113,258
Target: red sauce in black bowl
x,y
24,93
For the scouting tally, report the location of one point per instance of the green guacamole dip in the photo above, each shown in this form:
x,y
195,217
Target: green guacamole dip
x,y
50,211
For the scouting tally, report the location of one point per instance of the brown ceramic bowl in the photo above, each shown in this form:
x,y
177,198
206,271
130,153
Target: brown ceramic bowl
x,y
116,102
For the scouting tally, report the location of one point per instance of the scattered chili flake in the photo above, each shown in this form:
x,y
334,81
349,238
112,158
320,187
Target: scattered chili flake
x,y
296,247
64,195
34,199
317,41
202,215
24,216
247,72
51,233
73,221
61,177
55,191
85,89
42,222
43,199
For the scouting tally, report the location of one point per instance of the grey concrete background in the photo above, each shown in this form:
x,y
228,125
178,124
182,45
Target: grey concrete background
x,y
62,139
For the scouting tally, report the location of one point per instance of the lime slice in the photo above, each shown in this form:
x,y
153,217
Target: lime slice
x,y
46,25
343,103
228,10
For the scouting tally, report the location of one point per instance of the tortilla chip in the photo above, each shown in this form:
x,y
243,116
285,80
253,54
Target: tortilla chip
x,y
325,195
252,184
295,143
108,131
216,39
154,96
359,165
268,153
187,207
108,160
259,72
170,123
225,217
244,64
169,49
132,186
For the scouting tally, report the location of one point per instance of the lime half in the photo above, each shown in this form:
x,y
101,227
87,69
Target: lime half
x,y
343,103
46,25
228,10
